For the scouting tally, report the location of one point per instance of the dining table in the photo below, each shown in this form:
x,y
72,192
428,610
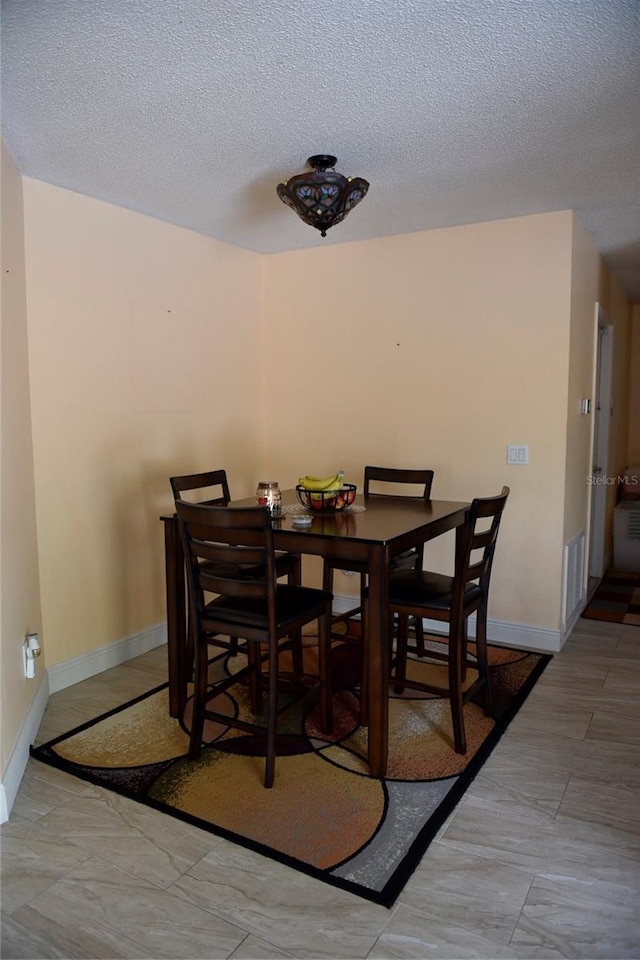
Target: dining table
x,y
370,532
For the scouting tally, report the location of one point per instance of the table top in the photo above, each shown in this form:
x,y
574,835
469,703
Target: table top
x,y
382,520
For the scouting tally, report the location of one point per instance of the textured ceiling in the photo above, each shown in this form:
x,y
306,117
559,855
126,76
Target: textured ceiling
x,y
455,110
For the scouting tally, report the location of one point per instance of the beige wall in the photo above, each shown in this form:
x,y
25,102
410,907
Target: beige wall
x,y
146,360
633,447
435,349
18,547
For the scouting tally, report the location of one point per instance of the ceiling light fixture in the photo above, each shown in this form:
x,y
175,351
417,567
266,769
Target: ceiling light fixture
x,y
322,197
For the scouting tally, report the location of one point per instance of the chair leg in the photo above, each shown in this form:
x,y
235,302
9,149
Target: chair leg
x,y
420,647
191,644
199,701
272,710
463,651
327,577
483,662
400,671
296,652
324,669
255,678
455,684
295,579
295,574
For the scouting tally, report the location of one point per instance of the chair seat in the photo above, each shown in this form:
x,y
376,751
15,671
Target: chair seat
x,y
291,604
426,589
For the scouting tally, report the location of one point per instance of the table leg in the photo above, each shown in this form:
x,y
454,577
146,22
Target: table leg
x,y
176,617
377,641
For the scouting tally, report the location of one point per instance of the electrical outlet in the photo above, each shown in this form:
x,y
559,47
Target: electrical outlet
x,y
30,651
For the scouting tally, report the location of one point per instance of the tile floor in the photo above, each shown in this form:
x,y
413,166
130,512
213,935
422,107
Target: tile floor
x,y
540,859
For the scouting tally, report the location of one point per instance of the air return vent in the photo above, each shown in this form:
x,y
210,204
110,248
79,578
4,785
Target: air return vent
x,y
573,575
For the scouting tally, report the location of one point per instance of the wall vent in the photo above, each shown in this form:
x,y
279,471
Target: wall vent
x,y
574,589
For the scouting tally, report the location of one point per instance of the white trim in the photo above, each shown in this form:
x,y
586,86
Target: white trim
x,y
573,619
20,754
89,664
573,576
523,636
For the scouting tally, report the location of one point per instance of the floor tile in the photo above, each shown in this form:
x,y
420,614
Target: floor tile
x,y
130,835
254,949
615,724
554,918
293,913
411,935
32,861
460,889
611,804
100,907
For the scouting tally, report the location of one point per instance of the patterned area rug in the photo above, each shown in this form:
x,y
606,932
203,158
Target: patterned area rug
x,y
325,815
617,599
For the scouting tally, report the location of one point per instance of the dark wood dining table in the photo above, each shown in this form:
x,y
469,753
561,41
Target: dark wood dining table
x,y
385,527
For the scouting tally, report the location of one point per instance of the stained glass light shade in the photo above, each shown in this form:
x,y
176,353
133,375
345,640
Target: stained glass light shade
x,y
322,197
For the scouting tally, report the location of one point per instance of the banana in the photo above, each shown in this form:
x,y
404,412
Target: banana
x,y
334,482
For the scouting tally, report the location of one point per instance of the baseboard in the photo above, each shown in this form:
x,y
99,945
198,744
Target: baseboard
x,y
87,665
502,632
20,753
523,636
65,675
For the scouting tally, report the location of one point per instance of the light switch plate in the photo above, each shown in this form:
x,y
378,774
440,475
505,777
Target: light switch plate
x,y
518,454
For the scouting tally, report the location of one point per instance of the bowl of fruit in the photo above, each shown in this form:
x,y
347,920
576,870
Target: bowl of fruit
x,y
325,494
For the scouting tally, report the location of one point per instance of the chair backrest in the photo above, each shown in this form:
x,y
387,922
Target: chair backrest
x,y
228,551
216,479
391,475
477,535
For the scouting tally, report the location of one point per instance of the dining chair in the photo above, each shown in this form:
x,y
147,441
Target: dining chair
x,y
420,593
380,482
220,544
216,486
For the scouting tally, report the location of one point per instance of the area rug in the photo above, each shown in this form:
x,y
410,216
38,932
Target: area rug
x,y
325,816
617,599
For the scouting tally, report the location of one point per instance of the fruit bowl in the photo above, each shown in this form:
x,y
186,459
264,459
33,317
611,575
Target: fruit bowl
x,y
327,501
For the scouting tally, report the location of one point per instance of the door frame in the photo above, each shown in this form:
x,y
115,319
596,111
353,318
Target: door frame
x,y
599,477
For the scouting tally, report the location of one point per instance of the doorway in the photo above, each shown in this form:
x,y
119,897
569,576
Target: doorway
x,y
600,448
